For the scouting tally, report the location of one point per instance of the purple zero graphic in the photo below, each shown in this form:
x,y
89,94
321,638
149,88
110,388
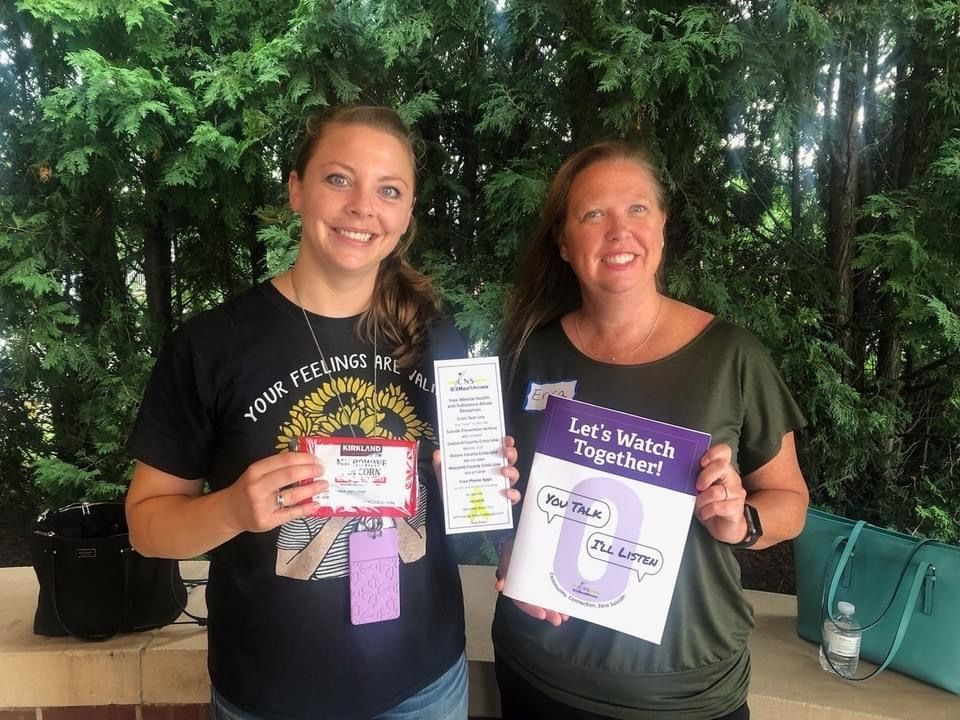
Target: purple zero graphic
x,y
566,568
628,448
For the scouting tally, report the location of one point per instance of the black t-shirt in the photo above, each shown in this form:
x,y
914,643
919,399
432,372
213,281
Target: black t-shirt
x,y
235,385
724,383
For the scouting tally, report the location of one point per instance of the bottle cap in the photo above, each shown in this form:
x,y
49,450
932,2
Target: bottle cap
x,y
846,608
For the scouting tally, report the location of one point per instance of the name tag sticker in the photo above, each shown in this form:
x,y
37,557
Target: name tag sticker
x,y
537,393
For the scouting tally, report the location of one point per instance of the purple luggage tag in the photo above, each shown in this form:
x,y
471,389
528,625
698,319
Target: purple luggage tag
x,y
374,576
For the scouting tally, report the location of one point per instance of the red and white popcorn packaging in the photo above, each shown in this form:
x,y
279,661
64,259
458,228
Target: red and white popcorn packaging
x,y
367,477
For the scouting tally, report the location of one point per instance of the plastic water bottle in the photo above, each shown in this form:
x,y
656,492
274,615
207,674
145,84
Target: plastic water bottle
x,y
841,641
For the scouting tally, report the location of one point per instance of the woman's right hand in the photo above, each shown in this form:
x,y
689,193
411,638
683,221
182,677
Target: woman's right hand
x,y
269,492
535,611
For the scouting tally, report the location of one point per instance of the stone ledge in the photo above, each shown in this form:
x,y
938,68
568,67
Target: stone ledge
x,y
167,667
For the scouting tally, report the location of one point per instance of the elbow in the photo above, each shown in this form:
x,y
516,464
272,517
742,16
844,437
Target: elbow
x,y
136,530
799,515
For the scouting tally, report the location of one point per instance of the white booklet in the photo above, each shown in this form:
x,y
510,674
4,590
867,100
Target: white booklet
x,y
471,428
605,517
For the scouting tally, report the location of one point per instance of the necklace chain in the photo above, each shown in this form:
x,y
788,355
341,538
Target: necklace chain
x,y
613,358
323,359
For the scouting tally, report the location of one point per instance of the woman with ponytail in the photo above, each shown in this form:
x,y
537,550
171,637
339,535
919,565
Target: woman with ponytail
x,y
341,344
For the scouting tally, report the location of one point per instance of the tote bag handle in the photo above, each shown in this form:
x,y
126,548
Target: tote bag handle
x,y
827,601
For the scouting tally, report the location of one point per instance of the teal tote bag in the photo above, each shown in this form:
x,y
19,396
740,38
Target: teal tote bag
x,y
906,590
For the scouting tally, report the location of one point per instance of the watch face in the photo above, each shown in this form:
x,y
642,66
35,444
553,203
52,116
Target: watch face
x,y
753,520
754,529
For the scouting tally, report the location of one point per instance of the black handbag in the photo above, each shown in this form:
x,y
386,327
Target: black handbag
x,y
93,584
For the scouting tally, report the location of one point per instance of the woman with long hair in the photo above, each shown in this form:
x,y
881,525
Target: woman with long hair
x,y
589,319
341,344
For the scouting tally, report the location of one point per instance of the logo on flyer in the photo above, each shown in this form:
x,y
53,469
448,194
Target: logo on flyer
x,y
464,381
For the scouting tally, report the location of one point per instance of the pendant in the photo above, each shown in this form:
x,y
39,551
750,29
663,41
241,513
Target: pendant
x,y
374,576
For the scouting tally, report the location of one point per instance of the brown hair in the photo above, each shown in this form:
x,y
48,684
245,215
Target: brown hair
x,y
546,286
404,301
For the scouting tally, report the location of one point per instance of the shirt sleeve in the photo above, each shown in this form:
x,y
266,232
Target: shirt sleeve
x,y
446,342
769,410
174,429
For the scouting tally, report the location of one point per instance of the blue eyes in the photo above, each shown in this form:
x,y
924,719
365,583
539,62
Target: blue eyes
x,y
342,181
637,209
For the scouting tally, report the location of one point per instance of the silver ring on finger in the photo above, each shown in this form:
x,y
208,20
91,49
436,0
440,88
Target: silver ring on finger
x,y
280,503
726,493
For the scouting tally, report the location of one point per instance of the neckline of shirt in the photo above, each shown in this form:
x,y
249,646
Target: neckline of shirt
x,y
292,310
714,322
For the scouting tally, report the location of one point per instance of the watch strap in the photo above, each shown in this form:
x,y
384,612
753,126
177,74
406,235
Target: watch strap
x,y
754,529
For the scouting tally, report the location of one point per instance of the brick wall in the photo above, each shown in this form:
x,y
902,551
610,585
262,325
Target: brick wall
x,y
110,712
118,712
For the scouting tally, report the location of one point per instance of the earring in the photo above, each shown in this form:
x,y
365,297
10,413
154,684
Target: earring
x,y
663,244
563,254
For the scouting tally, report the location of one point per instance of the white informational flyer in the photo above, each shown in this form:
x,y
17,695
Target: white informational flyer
x,y
471,429
605,517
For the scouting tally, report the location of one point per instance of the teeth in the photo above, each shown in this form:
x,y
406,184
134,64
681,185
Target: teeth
x,y
359,236
621,259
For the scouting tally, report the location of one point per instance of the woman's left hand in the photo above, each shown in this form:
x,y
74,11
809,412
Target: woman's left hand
x,y
720,496
509,471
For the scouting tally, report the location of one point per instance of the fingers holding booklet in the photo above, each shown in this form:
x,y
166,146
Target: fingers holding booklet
x,y
535,611
509,471
608,505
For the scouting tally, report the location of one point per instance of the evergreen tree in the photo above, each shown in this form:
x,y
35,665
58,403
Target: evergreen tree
x,y
811,151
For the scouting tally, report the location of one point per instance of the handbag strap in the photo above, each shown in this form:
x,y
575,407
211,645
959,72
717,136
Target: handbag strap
x,y
850,544
848,550
125,559
194,619
905,617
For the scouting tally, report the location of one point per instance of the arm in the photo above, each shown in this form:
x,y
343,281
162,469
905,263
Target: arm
x,y
169,516
777,490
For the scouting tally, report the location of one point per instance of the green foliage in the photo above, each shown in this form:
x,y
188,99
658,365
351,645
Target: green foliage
x,y
141,129
947,320
64,482
280,237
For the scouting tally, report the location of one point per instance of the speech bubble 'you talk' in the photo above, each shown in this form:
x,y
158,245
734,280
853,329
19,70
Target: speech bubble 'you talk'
x,y
556,502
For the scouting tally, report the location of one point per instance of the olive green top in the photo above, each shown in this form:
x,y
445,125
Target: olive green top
x,y
724,383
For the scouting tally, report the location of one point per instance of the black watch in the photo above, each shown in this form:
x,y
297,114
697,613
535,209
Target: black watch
x,y
754,528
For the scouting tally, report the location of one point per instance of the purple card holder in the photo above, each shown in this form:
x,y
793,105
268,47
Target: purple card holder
x,y
374,576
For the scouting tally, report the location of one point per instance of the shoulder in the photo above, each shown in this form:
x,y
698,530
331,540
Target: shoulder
x,y
739,354
691,325
445,339
547,346
232,323
735,337
681,325
548,337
